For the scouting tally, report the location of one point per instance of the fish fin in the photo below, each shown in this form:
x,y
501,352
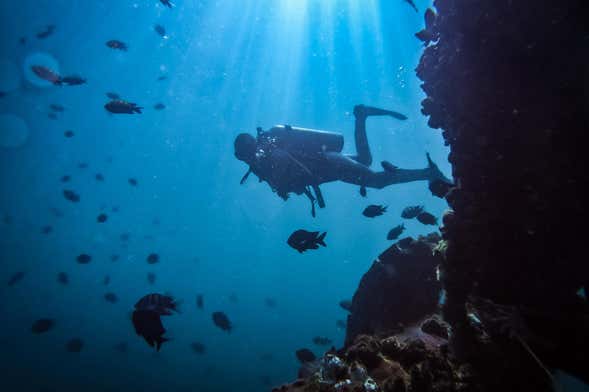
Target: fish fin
x,y
321,238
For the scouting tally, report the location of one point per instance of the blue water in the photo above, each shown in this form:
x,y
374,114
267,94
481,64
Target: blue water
x,y
232,65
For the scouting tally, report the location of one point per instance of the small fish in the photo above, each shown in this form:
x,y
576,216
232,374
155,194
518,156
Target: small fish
x,y
167,3
153,258
106,280
411,212
72,80
121,347
113,96
7,219
160,30
46,33
63,278
42,325
303,240
82,165
427,219
83,258
46,229
198,348
395,232
305,355
99,177
149,325
46,74
119,106
56,107
114,209
71,196
159,303
321,341
52,116
114,258
200,301
163,77
68,134
439,188
2,94
65,178
74,345
270,302
132,182
125,237
22,40
116,44
374,210
102,218
412,4
346,304
151,277
111,297
341,324
17,277
221,320
159,106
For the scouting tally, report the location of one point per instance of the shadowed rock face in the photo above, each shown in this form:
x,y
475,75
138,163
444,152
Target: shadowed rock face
x,y
400,288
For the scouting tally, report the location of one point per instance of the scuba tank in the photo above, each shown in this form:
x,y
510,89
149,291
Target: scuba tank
x,y
301,140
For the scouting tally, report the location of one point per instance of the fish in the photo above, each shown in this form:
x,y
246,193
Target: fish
x,y
148,325
153,258
427,219
71,195
46,33
412,4
42,325
374,210
305,355
133,182
270,302
427,34
68,134
63,278
346,304
65,178
46,74
363,191
113,96
160,30
46,229
303,240
160,303
321,341
74,345
17,277
99,177
116,44
7,219
111,297
162,77
125,237
121,347
221,320
82,165
411,212
200,301
167,3
72,80
395,232
119,106
102,218
114,257
439,188
83,258
56,107
106,280
22,40
341,324
159,106
151,277
198,348
114,209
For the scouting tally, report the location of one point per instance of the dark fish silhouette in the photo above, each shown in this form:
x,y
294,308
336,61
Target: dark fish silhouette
x,y
341,324
305,355
160,30
303,240
114,258
113,96
119,106
46,229
167,3
72,80
148,324
66,178
321,341
198,348
221,320
363,191
17,277
412,4
46,33
439,188
270,302
159,106
200,301
106,280
42,325
427,219
160,303
346,304
111,297
74,345
46,74
82,165
22,40
151,277
102,218
132,182
68,134
71,196
374,210
411,212
63,278
395,232
99,177
116,44
427,34
163,77
153,258
125,237
83,258
56,107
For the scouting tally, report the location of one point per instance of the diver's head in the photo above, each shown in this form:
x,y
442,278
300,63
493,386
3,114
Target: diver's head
x,y
245,147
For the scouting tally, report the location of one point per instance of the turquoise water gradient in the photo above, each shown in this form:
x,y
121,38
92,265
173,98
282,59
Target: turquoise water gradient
x,y
232,65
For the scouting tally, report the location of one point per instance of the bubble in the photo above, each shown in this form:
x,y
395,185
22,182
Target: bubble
x,y
14,132
9,76
42,59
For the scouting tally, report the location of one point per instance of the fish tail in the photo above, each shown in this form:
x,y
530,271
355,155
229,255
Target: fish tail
x,y
320,239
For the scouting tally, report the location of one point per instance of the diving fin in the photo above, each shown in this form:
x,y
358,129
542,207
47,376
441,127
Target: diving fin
x,y
365,111
389,167
159,341
321,238
363,191
245,176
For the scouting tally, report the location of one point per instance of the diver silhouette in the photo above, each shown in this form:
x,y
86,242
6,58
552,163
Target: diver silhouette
x,y
298,160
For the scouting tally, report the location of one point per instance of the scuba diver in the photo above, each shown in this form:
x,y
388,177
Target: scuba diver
x,y
298,160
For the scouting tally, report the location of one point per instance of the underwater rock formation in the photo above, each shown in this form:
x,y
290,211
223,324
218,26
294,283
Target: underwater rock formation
x,y
507,83
399,288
